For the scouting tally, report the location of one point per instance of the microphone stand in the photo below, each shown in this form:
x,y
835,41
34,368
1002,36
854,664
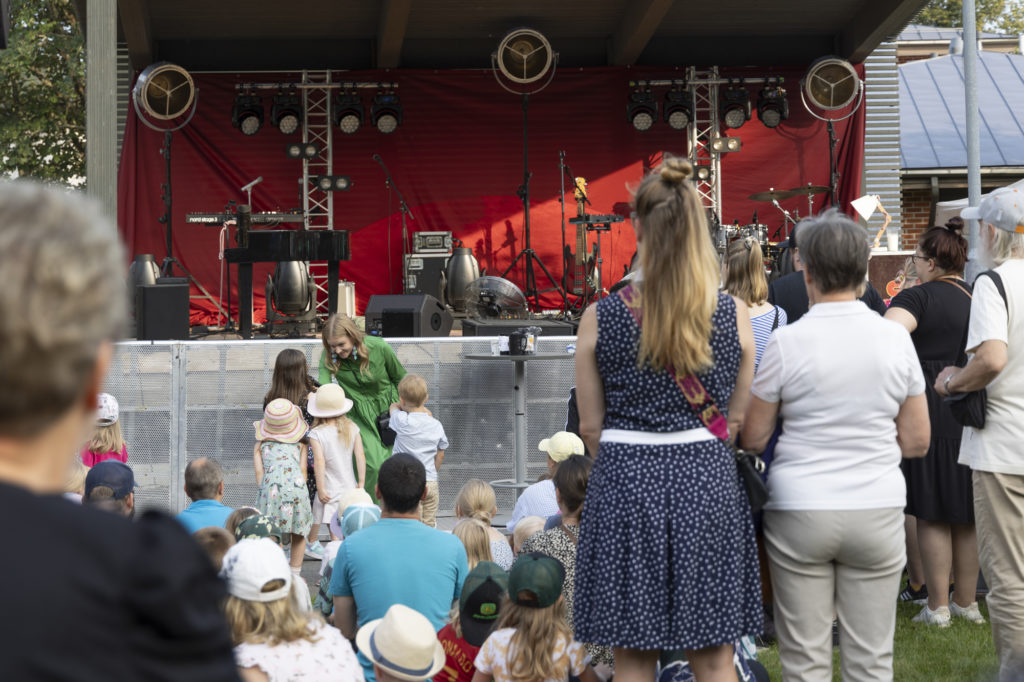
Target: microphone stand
x,y
403,208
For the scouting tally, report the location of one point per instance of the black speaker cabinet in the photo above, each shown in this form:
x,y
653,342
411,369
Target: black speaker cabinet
x,y
407,315
506,327
424,274
161,310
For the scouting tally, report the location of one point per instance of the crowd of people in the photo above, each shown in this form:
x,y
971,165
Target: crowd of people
x,y
638,550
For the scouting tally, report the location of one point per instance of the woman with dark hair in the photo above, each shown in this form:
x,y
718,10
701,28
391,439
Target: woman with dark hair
x,y
369,371
939,491
666,556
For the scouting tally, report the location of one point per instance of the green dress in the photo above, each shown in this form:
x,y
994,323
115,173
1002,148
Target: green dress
x,y
372,392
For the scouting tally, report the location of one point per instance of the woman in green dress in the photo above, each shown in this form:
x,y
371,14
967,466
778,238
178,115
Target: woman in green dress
x,y
369,371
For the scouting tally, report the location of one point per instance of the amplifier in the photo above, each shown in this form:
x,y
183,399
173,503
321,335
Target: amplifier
x,y
431,242
407,316
424,274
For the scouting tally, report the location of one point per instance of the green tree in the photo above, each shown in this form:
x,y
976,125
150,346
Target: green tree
x,y
1000,16
42,93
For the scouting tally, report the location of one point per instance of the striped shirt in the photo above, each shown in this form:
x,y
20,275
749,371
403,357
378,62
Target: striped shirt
x,y
763,326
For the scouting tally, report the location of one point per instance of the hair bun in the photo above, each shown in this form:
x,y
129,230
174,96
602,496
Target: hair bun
x,y
675,170
955,225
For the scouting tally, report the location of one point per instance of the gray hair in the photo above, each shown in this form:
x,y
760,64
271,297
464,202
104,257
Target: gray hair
x,y
834,250
63,295
1005,246
203,477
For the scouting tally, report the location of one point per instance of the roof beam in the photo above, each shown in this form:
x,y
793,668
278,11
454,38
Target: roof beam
x,y
393,20
875,24
636,27
138,33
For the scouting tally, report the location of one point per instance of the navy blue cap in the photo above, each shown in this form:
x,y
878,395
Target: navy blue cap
x,y
113,474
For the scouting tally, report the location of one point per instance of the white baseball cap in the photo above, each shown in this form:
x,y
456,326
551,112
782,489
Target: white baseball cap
x,y
1003,207
106,409
250,564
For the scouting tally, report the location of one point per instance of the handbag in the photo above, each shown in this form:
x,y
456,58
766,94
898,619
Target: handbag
x,y
968,409
748,464
387,435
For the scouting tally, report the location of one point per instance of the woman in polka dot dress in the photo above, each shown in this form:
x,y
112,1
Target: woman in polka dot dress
x,y
666,556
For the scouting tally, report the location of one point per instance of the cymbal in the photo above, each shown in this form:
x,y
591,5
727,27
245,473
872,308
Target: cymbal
x,y
772,195
808,190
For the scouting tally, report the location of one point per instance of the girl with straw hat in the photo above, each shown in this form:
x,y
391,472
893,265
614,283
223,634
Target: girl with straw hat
x,y
280,463
336,441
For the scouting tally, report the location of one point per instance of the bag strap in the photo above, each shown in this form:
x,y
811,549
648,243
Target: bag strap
x,y
775,322
693,390
998,281
561,527
957,284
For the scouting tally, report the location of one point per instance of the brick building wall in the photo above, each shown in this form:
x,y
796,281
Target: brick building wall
x,y
916,205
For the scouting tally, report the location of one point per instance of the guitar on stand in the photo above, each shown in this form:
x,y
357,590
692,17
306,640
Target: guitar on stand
x,y
580,263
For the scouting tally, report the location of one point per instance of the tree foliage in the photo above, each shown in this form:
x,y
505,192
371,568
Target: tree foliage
x,y
42,93
999,16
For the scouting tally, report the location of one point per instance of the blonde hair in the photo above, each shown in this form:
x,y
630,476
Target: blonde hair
x,y
107,439
345,428
75,482
413,390
1006,245
476,500
744,272
340,324
274,622
680,271
536,633
475,538
525,529
455,619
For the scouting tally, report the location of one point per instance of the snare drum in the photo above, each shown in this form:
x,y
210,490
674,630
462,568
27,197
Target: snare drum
x,y
758,232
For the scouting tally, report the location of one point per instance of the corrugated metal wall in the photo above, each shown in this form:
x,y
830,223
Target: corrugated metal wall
x,y
124,82
882,133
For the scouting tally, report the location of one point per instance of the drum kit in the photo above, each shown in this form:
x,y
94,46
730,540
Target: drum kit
x,y
726,234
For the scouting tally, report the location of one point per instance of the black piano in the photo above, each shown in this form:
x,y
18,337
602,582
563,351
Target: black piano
x,y
272,246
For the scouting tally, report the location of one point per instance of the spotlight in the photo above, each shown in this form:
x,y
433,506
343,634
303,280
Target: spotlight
x,y
722,145
734,108
703,173
333,183
247,114
348,112
286,112
386,112
772,106
302,150
642,110
678,109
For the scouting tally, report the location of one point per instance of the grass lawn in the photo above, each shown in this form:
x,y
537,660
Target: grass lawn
x,y
962,652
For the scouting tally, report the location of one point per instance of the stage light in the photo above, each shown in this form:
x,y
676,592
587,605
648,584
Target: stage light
x,y
722,145
348,112
734,109
642,110
386,112
302,150
772,106
703,173
247,114
286,112
678,109
333,183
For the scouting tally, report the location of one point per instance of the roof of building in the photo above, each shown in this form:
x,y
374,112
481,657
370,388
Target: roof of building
x,y
920,32
933,111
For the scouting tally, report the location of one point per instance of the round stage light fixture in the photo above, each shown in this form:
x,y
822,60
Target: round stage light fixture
x,y
333,183
302,150
831,83
642,110
703,174
386,112
772,107
734,109
348,113
286,112
678,109
524,56
164,91
247,114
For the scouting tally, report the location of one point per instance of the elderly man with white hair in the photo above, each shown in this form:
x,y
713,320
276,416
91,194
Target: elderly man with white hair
x,y
995,342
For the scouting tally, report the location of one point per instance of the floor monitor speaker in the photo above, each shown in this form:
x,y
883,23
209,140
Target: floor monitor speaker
x,y
407,315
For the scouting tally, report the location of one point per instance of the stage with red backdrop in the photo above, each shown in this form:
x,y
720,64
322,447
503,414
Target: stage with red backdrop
x,y
457,157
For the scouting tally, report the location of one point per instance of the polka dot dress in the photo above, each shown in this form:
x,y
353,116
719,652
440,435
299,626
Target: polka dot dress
x,y
666,557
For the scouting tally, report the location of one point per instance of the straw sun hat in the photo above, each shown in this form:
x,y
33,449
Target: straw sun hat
x,y
403,643
328,401
282,422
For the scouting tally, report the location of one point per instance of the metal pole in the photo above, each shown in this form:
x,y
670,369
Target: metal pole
x,y
973,144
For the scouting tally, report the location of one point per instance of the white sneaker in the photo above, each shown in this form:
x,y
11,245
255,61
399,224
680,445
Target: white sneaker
x,y
939,617
314,550
971,612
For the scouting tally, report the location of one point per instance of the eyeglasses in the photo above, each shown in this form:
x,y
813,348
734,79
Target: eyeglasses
x,y
916,257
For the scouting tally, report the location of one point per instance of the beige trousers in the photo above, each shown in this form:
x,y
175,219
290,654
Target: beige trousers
x,y
847,562
428,507
999,518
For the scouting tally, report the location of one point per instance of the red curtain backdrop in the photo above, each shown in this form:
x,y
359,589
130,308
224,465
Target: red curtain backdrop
x,y
458,158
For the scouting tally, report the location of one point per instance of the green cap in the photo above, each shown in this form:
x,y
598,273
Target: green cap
x,y
537,573
480,601
257,526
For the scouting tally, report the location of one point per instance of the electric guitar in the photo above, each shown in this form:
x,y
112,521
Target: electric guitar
x,y
581,263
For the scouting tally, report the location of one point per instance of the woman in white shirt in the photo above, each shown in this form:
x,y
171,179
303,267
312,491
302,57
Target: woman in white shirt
x,y
849,389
